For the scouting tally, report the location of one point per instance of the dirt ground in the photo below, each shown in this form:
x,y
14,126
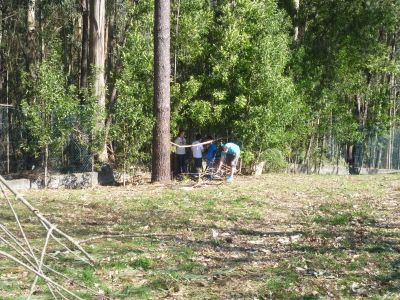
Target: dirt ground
x,y
269,237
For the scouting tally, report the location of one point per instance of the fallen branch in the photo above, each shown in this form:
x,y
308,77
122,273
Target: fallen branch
x,y
47,279
122,235
44,220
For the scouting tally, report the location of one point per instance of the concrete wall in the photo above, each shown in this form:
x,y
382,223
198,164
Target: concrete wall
x,y
67,181
338,170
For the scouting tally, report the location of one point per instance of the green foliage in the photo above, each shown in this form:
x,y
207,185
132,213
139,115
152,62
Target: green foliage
x,y
249,60
136,292
190,25
50,106
132,114
88,276
143,262
236,72
275,160
248,157
340,66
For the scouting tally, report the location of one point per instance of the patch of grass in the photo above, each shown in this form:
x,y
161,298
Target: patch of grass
x,y
358,263
341,214
241,200
324,262
282,281
254,215
232,217
7,286
280,287
346,281
184,221
134,292
165,281
185,252
381,247
335,219
191,267
209,206
119,265
88,276
171,253
142,262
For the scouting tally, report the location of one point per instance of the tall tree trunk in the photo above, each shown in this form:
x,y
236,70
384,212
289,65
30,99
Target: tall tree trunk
x,y
41,34
46,165
296,21
392,113
308,153
354,155
161,170
84,45
31,32
97,60
2,58
176,38
115,64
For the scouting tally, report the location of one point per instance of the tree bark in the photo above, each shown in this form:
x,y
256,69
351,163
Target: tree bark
x,y
31,32
97,60
296,21
161,170
176,38
2,58
84,44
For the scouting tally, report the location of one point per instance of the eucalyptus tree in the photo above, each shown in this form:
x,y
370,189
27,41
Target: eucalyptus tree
x,y
253,97
31,34
132,110
84,53
341,66
97,52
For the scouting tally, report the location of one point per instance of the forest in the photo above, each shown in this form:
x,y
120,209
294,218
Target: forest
x,y
294,86
311,82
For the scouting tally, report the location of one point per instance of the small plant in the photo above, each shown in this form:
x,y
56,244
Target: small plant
x,y
275,160
167,281
135,292
49,107
143,262
88,276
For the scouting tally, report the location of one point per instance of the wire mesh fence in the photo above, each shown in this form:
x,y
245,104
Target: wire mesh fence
x,y
73,156
374,152
378,151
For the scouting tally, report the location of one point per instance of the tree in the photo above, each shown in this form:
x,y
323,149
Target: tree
x,y
31,32
162,70
97,60
84,45
132,114
49,109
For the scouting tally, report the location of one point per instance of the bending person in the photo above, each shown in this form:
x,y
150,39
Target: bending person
x,y
230,155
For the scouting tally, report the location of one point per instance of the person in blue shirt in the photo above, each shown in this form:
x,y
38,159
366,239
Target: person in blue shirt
x,y
230,154
211,152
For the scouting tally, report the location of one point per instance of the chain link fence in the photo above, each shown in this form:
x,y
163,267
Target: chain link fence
x,y
73,157
375,152
383,152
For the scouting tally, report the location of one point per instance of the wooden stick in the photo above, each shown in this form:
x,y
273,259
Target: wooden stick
x,y
43,219
47,279
46,243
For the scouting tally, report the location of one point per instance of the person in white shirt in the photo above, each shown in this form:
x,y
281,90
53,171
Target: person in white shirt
x,y
181,152
197,151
